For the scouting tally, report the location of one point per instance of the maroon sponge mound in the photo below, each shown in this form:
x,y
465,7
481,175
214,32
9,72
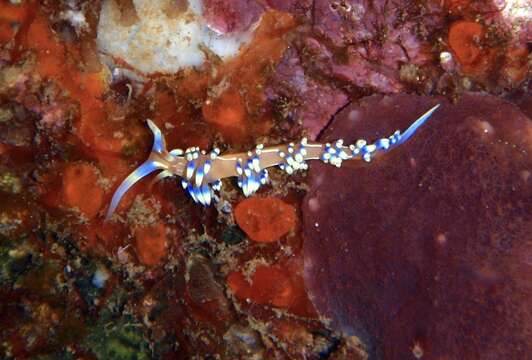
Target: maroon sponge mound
x,y
428,250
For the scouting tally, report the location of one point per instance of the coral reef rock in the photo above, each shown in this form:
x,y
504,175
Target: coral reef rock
x,y
159,36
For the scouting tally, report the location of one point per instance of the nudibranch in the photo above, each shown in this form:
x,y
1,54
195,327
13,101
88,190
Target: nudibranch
x,y
201,172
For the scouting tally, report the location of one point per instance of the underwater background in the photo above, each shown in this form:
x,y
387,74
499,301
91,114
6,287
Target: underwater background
x,y
423,253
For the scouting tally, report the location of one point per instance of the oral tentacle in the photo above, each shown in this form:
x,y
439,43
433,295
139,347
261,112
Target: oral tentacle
x,y
142,171
159,144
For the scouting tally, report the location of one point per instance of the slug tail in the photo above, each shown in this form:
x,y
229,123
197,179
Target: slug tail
x,y
416,125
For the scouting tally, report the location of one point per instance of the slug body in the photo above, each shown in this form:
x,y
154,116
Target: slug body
x,y
201,172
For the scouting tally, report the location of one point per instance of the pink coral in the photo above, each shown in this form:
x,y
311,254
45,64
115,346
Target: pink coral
x,y
310,101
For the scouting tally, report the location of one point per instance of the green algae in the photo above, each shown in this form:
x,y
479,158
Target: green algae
x,y
17,257
117,339
10,183
232,235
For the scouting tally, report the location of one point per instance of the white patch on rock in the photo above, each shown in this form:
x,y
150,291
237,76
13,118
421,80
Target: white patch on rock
x,y
518,13
158,43
76,19
447,62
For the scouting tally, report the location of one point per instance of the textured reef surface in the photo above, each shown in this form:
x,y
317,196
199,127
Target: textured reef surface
x,y
429,247
424,253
